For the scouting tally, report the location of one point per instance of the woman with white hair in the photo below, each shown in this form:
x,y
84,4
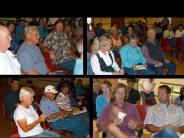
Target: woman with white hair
x,y
78,69
27,119
103,62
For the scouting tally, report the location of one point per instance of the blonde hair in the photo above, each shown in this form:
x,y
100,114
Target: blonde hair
x,y
25,91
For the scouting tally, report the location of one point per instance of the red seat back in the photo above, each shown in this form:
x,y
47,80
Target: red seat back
x,y
142,109
16,135
165,45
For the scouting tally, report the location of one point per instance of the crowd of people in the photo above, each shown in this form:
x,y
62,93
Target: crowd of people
x,y
60,108
23,44
137,45
116,113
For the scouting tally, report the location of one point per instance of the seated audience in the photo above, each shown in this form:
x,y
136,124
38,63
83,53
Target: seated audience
x,y
27,119
133,94
12,98
9,63
79,88
90,34
57,44
179,101
60,119
164,120
14,45
119,119
99,31
19,31
78,69
154,55
79,29
103,62
42,28
29,55
130,31
103,99
179,32
131,56
34,22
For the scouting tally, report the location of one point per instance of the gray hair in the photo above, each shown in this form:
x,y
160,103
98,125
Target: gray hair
x,y
25,91
103,41
29,28
80,46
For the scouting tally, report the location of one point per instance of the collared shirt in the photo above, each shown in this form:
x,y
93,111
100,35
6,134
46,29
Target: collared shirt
x,y
49,107
179,33
96,65
168,34
160,115
63,101
9,64
30,58
59,45
131,56
107,116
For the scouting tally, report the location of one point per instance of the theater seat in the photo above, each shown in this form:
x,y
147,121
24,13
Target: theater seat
x,y
16,135
165,45
52,67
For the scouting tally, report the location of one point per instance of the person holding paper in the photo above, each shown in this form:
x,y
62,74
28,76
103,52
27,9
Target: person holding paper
x,y
119,119
132,60
165,120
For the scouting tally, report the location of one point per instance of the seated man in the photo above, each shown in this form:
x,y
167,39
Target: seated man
x,y
9,63
29,55
60,119
165,120
154,55
12,98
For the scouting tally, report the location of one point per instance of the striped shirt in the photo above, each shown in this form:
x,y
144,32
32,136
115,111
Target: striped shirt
x,y
63,101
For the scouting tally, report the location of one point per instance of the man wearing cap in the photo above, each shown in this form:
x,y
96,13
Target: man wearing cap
x,y
8,61
58,119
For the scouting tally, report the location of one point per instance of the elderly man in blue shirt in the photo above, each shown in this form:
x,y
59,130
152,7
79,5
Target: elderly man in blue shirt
x,y
29,55
132,56
60,120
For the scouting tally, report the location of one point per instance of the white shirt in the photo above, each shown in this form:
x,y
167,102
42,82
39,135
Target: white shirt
x,y
9,64
168,34
179,33
31,116
96,65
146,84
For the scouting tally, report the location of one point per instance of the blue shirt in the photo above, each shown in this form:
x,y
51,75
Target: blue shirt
x,y
49,107
19,30
30,58
131,56
78,69
79,90
43,33
101,102
99,32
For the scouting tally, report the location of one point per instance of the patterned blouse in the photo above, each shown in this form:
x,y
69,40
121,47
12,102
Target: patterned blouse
x,y
58,43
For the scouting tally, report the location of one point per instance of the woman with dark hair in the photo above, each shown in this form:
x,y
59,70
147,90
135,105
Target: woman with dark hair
x,y
119,119
59,47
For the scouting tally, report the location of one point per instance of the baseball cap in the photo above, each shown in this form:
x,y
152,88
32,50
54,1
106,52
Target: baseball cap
x,y
50,88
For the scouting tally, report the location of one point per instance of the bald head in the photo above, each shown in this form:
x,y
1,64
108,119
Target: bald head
x,y
5,39
151,34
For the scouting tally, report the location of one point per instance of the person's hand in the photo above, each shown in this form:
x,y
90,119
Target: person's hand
x,y
134,68
132,124
121,72
52,56
42,117
166,61
115,73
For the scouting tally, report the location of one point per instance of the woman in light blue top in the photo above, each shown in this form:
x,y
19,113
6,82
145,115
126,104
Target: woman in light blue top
x,y
42,28
131,56
103,99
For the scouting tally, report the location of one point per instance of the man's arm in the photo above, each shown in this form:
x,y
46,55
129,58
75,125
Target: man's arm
x,y
153,129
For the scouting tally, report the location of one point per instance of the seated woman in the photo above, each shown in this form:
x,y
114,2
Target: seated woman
x,y
119,119
132,57
27,119
103,62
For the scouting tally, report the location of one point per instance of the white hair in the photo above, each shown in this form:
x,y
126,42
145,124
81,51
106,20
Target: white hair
x,y
80,46
25,91
29,28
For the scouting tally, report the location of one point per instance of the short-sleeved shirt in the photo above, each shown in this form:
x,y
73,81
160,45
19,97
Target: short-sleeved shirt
x,y
78,69
59,45
49,107
9,64
107,116
31,116
160,115
63,101
31,58
101,102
